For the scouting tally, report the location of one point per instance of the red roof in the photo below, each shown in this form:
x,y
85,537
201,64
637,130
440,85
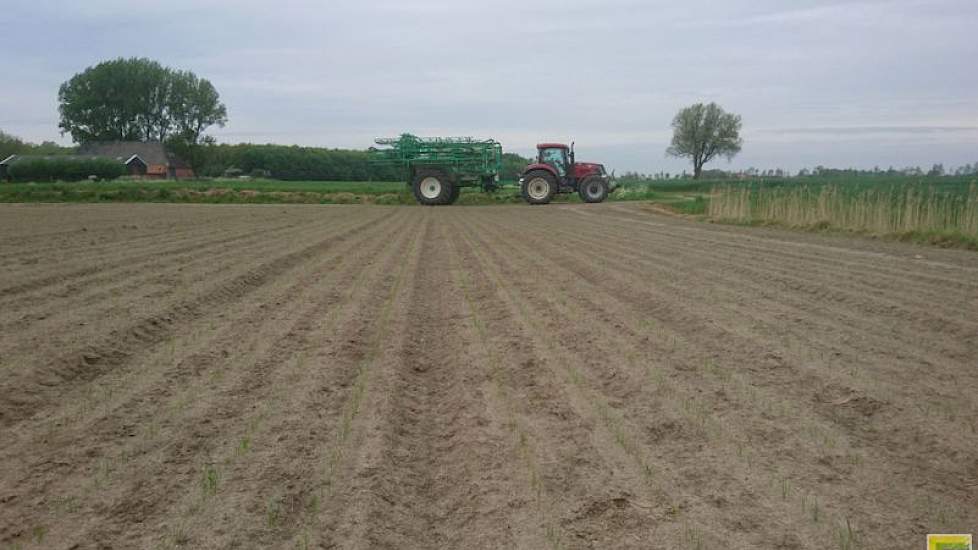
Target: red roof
x,y
551,145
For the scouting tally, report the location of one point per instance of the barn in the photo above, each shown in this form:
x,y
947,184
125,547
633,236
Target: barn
x,y
144,159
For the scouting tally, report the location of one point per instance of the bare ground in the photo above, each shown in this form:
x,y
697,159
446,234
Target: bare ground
x,y
568,377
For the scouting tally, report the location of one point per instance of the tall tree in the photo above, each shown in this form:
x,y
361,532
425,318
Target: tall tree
x,y
194,106
138,99
703,132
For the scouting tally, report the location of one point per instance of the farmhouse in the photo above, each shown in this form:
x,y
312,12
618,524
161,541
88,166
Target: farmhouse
x,y
148,159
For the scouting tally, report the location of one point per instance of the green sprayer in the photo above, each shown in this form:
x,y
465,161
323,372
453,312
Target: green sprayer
x,y
437,168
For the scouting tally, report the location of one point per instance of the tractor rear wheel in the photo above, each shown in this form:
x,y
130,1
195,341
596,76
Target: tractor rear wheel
x,y
431,187
539,187
593,189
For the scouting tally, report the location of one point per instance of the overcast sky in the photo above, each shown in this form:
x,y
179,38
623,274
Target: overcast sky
x,y
816,82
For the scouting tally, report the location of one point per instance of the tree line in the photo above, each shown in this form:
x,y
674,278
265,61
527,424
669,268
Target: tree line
x,y
295,163
68,169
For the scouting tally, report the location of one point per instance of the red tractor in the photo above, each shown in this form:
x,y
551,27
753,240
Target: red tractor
x,y
556,171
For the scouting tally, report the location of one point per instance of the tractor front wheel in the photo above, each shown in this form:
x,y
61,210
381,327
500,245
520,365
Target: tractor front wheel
x,y
593,189
432,187
539,187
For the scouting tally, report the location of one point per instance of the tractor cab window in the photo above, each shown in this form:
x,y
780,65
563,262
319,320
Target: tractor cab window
x,y
556,157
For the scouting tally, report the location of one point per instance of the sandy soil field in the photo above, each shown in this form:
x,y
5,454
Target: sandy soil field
x,y
563,377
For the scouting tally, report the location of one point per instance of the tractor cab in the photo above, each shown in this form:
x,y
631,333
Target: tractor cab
x,y
555,170
556,155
